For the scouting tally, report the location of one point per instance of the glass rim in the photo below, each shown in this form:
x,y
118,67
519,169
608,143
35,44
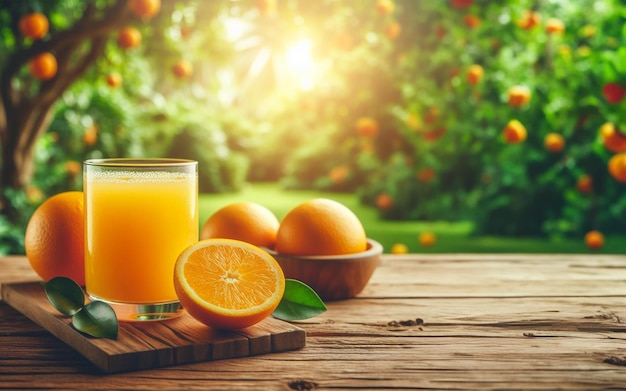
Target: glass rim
x,y
140,162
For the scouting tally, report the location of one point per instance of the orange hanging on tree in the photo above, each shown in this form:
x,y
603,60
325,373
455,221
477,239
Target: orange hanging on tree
x,y
384,201
514,132
475,74
612,138
128,38
34,25
145,9
584,184
472,21
518,96
393,30
613,93
617,166
43,67
182,69
594,240
529,20
385,7
555,26
114,79
367,127
460,4
554,142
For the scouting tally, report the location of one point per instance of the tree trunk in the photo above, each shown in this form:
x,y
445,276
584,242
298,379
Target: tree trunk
x,y
18,153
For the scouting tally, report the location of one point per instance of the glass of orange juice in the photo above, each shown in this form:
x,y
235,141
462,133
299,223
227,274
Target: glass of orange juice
x,y
139,216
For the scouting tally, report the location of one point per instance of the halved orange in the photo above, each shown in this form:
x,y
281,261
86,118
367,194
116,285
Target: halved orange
x,y
228,284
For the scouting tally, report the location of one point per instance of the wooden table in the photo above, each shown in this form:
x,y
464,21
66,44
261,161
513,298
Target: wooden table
x,y
424,322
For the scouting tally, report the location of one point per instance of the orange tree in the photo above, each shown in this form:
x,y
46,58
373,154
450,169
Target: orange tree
x,y
429,110
116,78
488,111
40,61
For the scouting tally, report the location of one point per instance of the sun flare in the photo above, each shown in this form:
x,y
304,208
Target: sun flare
x,y
300,64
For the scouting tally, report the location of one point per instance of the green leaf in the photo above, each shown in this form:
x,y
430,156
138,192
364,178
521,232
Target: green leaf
x,y
97,319
299,302
65,295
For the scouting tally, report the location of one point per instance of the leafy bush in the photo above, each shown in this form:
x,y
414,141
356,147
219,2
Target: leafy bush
x,y
431,116
389,111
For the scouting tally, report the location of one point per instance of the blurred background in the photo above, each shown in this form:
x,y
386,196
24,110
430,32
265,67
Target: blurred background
x,y
488,124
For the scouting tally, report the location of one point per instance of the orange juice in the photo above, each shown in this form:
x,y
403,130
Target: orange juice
x,y
137,223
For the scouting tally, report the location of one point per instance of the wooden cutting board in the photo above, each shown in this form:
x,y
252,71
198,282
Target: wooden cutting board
x,y
154,344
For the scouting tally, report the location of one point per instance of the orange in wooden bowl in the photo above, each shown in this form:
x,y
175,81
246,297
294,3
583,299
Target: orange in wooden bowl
x,y
333,277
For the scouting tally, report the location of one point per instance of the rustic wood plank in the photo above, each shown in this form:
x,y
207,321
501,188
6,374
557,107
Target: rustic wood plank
x,y
147,345
501,275
559,325
459,343
16,268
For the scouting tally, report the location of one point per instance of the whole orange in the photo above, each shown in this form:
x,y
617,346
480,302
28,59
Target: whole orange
x,y
128,37
613,93
519,96
427,239
114,79
613,138
426,174
399,248
320,227
475,74
384,201
43,67
90,137
594,240
529,20
385,7
367,127
246,221
393,30
339,174
144,9
554,26
554,142
584,184
472,21
617,166
54,239
72,167
34,25
182,69
514,132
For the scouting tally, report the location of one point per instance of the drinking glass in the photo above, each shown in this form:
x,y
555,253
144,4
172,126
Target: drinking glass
x,y
139,216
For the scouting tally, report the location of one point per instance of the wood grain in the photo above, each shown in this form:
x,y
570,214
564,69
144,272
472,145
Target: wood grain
x,y
154,344
487,322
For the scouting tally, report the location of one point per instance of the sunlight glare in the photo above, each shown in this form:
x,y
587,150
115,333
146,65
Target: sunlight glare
x,y
300,63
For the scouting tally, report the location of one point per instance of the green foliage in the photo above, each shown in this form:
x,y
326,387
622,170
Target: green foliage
x,y
299,302
519,189
144,116
245,113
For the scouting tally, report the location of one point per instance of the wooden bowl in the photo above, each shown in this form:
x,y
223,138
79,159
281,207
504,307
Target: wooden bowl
x,y
333,277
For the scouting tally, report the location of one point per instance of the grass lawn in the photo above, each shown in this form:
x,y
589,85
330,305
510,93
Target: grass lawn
x,y
451,237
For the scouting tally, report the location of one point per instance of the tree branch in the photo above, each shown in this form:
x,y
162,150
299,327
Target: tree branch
x,y
25,118
91,26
